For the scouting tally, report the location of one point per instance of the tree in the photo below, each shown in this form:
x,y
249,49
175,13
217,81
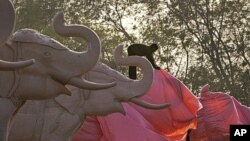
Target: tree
x,y
201,41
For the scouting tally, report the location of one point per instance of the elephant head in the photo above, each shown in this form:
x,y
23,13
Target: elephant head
x,y
103,102
62,116
55,65
7,14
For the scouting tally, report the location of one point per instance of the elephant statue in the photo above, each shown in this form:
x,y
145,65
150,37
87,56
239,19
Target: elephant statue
x,y
59,118
8,24
55,66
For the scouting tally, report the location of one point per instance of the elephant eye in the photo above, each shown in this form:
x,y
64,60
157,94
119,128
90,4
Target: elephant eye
x,y
47,54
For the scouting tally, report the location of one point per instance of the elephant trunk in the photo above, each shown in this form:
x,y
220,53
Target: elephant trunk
x,y
7,24
139,87
86,59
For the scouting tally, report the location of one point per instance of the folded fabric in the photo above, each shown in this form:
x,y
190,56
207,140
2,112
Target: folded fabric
x,y
218,112
142,124
174,121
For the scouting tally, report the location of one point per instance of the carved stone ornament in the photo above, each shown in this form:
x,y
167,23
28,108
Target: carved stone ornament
x,y
58,119
55,66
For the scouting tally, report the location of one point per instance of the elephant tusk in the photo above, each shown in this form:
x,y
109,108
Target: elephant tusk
x,y
147,105
84,84
15,65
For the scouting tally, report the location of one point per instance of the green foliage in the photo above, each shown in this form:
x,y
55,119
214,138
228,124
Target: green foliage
x,y
201,41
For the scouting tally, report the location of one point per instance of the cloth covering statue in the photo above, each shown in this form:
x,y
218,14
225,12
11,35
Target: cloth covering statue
x,y
141,124
218,111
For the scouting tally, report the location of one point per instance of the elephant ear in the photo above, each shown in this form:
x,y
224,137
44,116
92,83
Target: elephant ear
x,y
74,104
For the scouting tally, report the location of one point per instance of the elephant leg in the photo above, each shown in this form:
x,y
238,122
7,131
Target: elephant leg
x,y
7,108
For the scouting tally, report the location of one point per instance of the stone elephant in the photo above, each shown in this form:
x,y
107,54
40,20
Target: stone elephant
x,y
56,65
59,119
8,24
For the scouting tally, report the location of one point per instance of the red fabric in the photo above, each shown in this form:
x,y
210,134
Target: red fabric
x,y
141,124
181,116
92,132
132,127
116,127
219,111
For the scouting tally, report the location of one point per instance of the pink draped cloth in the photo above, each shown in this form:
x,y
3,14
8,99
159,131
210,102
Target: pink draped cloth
x,y
218,112
142,124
